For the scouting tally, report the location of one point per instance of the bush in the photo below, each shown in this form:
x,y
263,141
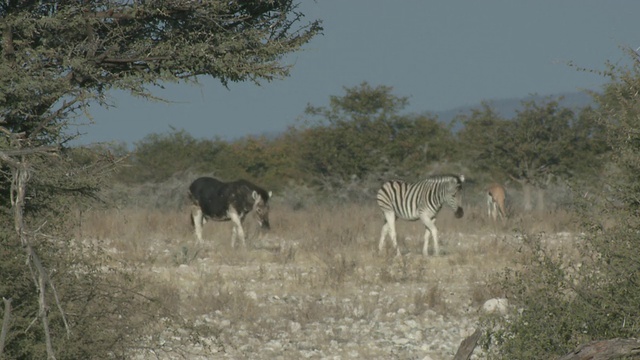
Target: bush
x,y
562,301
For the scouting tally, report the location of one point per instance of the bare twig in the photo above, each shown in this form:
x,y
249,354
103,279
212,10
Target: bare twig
x,y
44,316
58,304
606,349
48,119
5,323
28,151
467,346
19,186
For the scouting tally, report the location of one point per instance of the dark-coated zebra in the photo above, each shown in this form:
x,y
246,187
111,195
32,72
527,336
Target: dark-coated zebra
x,y
421,200
223,201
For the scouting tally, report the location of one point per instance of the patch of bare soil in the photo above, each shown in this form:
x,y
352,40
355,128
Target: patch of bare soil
x,y
272,301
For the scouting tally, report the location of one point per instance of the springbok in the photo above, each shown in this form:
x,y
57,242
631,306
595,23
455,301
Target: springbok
x,y
495,201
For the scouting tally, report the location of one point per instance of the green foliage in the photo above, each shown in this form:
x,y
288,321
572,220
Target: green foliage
x,y
16,284
102,305
363,133
543,141
484,136
361,136
110,311
566,301
268,161
159,156
79,51
58,58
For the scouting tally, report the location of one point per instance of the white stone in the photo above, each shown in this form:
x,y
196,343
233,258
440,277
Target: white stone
x,y
294,326
252,295
497,305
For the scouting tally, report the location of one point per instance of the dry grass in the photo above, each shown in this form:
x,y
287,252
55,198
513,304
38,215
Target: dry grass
x,y
316,263
338,243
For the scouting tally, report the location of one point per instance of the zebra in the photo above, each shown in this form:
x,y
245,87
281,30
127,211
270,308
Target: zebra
x,y
223,201
421,200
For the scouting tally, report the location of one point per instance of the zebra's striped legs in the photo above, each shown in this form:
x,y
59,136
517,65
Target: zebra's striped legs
x,y
389,227
430,224
198,220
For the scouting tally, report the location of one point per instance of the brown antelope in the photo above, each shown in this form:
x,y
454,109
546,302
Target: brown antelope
x,y
495,201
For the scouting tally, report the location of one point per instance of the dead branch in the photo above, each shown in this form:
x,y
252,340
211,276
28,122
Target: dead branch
x,y
12,162
59,305
467,346
29,151
44,316
5,323
606,349
41,279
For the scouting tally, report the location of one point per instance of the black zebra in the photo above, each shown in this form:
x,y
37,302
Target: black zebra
x,y
421,200
222,201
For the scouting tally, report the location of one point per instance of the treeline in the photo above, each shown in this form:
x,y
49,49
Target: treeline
x,y
364,136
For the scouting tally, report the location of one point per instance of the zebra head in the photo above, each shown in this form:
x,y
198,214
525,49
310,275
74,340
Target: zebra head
x,y
454,196
261,208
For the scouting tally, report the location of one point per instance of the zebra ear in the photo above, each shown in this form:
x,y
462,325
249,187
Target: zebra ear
x,y
255,195
461,178
270,194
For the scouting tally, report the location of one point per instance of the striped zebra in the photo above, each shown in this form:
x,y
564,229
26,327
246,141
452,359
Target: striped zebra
x,y
421,200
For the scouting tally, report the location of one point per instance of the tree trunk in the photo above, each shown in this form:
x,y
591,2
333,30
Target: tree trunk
x,y
18,191
5,324
526,193
540,200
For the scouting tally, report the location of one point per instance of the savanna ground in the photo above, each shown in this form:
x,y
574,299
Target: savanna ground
x,y
315,286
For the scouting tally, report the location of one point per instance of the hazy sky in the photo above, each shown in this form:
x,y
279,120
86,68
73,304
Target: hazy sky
x,y
441,54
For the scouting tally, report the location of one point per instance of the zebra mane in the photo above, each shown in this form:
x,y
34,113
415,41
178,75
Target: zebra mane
x,y
459,178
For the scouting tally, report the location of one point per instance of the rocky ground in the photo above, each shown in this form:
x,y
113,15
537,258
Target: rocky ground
x,y
266,305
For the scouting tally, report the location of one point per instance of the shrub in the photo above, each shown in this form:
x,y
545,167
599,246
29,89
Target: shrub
x,y
562,301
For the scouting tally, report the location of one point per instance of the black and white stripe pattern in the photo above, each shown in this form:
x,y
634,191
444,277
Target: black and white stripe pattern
x,y
421,200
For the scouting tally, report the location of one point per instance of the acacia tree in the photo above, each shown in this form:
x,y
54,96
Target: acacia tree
x,y
482,134
543,142
538,141
364,133
59,57
561,302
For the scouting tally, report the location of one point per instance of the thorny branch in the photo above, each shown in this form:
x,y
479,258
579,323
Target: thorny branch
x,y
20,170
5,323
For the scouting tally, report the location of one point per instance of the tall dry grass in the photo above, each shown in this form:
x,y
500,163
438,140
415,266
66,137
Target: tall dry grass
x,y
317,262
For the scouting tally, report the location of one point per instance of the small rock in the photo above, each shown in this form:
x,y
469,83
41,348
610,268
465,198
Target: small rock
x,y
252,295
497,305
294,326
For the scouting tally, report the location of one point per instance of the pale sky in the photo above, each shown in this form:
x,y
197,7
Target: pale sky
x,y
441,54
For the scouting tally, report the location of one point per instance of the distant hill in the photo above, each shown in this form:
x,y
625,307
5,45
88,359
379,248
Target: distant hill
x,y
507,107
